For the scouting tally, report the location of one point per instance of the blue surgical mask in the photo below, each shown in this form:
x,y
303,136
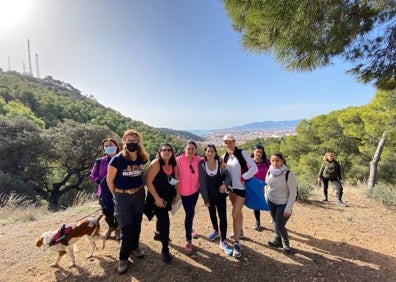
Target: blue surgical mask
x,y
110,150
172,181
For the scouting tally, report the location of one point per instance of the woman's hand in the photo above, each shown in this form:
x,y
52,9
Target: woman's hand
x,y
223,189
176,199
286,214
160,203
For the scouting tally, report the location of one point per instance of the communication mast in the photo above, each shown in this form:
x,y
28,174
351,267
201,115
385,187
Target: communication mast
x,y
37,66
9,63
30,60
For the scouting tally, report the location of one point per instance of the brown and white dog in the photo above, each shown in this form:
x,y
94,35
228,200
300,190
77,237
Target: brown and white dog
x,y
64,240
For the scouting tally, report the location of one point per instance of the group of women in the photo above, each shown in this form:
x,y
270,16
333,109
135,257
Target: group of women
x,y
170,179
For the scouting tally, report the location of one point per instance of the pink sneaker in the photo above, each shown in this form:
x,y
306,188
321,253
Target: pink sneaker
x,y
194,235
188,247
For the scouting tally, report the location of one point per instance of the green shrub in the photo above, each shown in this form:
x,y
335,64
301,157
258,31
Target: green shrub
x,y
305,190
384,193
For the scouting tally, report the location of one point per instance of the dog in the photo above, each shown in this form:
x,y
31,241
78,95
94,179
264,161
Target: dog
x,y
64,240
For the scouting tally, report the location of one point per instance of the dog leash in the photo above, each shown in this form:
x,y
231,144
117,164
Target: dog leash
x,y
90,214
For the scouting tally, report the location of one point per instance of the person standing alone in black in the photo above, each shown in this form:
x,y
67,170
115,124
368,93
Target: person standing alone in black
x,y
330,170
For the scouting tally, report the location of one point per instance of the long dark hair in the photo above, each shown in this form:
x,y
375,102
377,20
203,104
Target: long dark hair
x,y
258,146
216,157
172,160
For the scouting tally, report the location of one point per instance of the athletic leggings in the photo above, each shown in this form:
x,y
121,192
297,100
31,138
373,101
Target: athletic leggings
x,y
189,203
221,206
277,214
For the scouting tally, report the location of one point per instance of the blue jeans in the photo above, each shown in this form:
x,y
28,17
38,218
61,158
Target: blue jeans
x,y
189,203
277,214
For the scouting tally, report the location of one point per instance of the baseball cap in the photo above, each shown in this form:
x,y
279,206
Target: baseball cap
x,y
228,137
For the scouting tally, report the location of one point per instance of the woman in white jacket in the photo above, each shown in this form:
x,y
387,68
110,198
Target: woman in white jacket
x,y
281,192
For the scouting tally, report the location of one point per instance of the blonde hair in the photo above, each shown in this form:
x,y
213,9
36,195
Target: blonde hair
x,y
327,155
141,152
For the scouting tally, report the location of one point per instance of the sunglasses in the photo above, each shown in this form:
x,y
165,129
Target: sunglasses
x,y
166,150
192,169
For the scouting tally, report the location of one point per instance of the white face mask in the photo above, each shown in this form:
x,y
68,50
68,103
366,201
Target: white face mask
x,y
275,171
172,181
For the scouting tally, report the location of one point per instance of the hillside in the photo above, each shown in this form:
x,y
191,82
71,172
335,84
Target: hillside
x,y
330,244
52,101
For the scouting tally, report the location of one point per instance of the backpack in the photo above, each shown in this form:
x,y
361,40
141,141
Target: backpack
x,y
240,158
106,198
286,178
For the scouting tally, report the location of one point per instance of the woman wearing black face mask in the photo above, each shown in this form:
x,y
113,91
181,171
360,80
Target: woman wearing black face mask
x,y
125,181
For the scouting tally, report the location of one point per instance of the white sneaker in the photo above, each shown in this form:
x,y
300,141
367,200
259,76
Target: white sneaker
x,y
223,245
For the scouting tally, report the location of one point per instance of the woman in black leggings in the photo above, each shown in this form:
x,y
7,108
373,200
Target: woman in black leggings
x,y
212,172
161,179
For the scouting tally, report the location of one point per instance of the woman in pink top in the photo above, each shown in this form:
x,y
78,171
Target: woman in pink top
x,y
260,158
187,165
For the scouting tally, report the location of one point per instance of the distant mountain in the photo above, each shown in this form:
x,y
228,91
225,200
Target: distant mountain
x,y
262,126
267,125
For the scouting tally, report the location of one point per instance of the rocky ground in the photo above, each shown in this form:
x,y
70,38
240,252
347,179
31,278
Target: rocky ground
x,y
329,243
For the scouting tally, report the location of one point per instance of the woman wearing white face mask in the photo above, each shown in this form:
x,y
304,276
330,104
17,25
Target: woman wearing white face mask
x,y
161,180
281,192
110,148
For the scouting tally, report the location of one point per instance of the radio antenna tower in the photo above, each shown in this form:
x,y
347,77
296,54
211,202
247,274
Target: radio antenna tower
x,y
37,66
9,63
30,60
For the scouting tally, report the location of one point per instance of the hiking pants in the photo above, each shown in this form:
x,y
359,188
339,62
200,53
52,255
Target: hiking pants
x,y
336,183
128,210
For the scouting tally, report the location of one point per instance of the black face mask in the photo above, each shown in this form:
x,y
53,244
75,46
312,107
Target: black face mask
x,y
132,147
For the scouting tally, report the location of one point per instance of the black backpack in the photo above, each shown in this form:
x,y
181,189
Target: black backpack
x,y
286,178
240,158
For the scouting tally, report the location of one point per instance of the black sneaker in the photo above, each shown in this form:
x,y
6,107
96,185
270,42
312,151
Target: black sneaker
x,y
286,246
276,243
157,237
122,266
166,256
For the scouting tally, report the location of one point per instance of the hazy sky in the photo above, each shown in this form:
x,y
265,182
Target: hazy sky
x,y
168,63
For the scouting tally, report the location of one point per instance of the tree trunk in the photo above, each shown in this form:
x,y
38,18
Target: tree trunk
x,y
375,161
54,196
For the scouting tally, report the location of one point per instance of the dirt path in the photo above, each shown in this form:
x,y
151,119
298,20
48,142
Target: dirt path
x,y
330,244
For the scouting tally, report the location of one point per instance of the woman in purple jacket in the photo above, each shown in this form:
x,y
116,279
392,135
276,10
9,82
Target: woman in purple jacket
x,y
99,171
